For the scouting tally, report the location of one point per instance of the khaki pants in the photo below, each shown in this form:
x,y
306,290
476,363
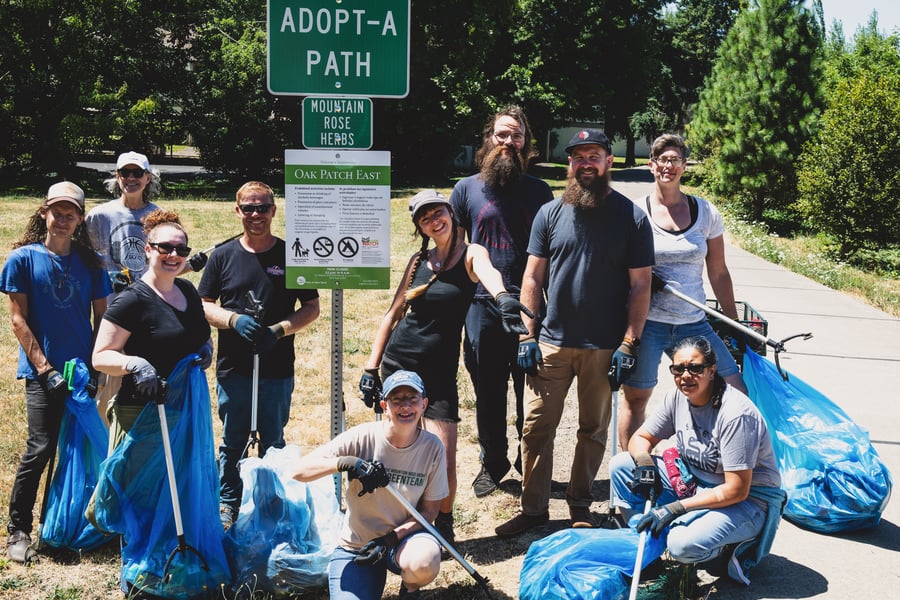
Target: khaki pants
x,y
544,404
107,387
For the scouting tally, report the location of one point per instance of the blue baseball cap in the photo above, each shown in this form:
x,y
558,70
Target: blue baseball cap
x,y
402,378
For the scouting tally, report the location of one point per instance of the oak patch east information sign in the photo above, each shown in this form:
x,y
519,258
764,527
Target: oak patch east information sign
x,y
338,219
346,47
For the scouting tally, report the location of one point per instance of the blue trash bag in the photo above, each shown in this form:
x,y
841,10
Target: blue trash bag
x,y
833,476
584,564
286,530
82,444
133,495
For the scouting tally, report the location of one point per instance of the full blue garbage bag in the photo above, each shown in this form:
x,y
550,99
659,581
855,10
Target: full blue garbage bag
x,y
584,564
82,444
133,495
286,530
834,479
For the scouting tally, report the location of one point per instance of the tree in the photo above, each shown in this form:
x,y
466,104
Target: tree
x,y
760,105
848,180
84,75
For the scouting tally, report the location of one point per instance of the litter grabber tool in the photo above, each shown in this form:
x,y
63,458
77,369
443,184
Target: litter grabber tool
x,y
661,285
223,242
639,558
255,310
199,260
609,520
415,514
183,547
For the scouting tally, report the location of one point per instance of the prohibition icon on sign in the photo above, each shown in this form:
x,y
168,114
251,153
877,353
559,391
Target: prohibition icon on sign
x,y
348,247
323,247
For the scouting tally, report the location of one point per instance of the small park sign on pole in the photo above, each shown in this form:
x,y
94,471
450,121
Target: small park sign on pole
x,y
339,47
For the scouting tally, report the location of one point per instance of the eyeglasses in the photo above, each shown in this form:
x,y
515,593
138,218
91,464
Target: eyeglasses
x,y
667,161
249,209
506,135
166,248
136,172
692,368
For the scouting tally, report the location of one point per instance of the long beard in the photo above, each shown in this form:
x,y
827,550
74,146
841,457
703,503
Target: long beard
x,y
503,168
586,196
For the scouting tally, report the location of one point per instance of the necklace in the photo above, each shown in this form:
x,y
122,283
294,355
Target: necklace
x,y
62,275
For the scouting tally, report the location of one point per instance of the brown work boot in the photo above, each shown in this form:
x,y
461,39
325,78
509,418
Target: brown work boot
x,y
582,517
521,523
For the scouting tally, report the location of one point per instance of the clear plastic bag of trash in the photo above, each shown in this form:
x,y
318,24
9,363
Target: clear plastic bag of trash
x,y
286,530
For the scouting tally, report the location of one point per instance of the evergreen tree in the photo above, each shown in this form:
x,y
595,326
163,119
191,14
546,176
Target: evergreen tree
x,y
760,105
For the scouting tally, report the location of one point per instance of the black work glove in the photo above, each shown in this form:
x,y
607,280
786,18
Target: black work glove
x,y
376,549
372,475
370,386
661,517
266,339
146,381
622,363
91,386
509,314
55,385
529,356
198,261
645,481
119,280
206,355
247,327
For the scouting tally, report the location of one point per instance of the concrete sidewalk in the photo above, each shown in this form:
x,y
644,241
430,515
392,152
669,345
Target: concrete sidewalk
x,y
853,358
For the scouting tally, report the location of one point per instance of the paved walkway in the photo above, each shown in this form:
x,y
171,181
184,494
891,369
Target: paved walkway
x,y
853,358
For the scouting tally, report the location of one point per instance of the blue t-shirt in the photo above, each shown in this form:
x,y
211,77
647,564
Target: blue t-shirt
x,y
590,252
501,224
60,291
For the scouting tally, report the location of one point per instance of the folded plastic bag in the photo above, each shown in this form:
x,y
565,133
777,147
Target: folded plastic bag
x,y
584,564
286,530
834,479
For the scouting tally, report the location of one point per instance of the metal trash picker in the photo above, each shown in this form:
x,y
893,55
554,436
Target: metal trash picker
x,y
639,558
256,311
482,582
660,285
183,546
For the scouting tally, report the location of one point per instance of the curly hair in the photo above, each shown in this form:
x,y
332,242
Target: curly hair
x,y
36,232
160,217
487,134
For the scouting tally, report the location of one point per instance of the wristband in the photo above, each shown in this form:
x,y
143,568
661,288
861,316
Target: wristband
x,y
231,320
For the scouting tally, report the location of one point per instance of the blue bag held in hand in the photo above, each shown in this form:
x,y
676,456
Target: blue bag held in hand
x,y
833,477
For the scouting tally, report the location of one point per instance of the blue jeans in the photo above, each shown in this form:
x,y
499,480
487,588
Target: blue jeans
x,y
350,581
235,393
699,535
663,337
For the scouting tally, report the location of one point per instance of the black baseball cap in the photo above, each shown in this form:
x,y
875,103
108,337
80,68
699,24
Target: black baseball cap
x,y
589,136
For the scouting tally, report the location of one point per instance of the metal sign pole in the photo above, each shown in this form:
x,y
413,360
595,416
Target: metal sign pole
x,y
337,353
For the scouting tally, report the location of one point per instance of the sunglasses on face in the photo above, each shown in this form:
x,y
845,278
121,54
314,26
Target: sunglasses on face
x,y
692,368
249,209
136,172
165,248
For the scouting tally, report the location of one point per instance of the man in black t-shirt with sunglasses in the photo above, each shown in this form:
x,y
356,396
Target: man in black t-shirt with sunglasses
x,y
263,323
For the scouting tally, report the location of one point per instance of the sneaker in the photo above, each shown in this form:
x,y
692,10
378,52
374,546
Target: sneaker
x,y
521,523
227,515
443,523
18,547
405,593
582,517
484,484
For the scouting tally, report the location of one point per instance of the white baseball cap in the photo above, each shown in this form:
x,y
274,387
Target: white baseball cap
x,y
132,158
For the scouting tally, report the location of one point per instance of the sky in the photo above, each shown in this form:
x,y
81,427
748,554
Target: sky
x,y
854,13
